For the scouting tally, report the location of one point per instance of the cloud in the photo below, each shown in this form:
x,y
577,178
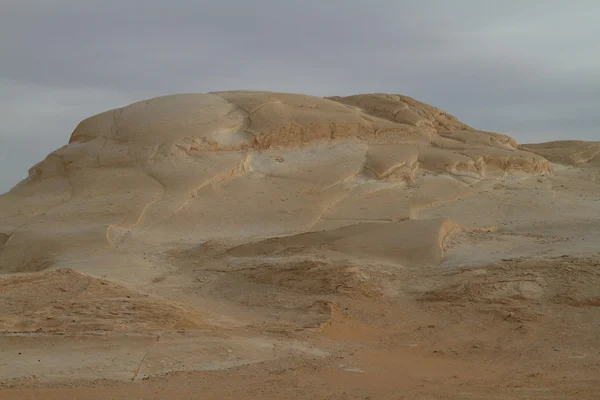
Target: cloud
x,y
526,68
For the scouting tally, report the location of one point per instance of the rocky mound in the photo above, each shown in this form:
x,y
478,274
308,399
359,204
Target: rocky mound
x,y
245,165
207,231
569,152
66,301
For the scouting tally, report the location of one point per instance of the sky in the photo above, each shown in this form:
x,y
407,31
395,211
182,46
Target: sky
x,y
528,68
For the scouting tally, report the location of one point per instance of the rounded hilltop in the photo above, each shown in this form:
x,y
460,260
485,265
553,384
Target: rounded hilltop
x,y
241,229
242,119
263,163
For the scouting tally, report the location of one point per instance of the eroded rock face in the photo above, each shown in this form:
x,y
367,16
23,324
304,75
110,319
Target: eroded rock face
x,y
245,165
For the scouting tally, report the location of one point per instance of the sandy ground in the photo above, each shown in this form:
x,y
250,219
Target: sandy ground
x,y
256,245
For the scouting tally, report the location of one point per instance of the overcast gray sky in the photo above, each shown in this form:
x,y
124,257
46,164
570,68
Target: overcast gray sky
x,y
529,68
